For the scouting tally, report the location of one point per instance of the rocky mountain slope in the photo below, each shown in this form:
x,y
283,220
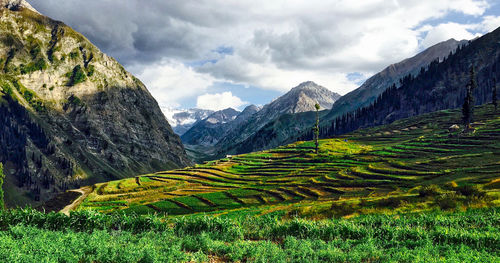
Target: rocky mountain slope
x,y
70,114
182,120
379,82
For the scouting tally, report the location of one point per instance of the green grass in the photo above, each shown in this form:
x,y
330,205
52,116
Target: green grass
x,y
466,236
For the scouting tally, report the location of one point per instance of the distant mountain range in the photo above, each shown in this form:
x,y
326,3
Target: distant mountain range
x,y
182,120
289,116
207,140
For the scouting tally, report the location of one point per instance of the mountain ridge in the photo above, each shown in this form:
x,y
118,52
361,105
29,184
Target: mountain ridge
x,y
375,85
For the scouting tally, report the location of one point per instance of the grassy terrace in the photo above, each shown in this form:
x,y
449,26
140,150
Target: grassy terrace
x,y
384,169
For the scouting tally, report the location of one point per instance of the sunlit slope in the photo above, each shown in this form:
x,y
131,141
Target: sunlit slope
x,y
381,168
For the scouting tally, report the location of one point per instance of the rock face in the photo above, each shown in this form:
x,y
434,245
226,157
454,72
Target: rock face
x,y
379,82
82,118
182,120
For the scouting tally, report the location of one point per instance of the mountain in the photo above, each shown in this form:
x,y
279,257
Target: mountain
x,y
441,85
182,120
379,82
207,132
71,115
298,100
201,138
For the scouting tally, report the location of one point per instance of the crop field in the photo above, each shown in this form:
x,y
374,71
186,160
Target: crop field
x,y
411,165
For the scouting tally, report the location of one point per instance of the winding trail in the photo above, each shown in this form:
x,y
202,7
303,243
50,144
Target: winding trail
x,y
85,191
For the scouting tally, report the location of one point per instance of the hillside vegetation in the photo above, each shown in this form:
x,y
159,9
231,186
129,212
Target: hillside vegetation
x,y
411,165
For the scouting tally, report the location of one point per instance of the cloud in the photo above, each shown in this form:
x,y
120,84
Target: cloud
x,y
165,78
489,23
446,31
273,45
219,101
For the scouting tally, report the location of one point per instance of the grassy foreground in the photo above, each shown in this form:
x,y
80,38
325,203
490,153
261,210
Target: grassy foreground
x,y
468,236
411,165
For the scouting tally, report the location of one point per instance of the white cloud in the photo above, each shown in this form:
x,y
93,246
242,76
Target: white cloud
x,y
219,101
446,31
490,23
170,81
277,44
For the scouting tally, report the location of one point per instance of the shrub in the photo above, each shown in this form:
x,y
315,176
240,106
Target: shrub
x,y
39,64
470,191
429,191
73,55
90,71
342,209
7,89
76,76
447,201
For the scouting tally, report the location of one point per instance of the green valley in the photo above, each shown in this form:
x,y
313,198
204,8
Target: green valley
x,y
412,165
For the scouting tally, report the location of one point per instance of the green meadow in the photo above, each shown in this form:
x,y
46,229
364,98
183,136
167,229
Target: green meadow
x,y
411,165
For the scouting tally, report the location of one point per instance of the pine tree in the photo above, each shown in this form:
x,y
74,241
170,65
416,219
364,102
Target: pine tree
x,y
316,128
468,106
494,100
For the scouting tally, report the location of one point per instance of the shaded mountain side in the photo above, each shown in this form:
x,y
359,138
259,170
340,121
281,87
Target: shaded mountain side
x,y
375,85
77,115
277,132
442,85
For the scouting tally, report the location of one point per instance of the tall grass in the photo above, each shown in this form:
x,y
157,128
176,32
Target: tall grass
x,y
30,236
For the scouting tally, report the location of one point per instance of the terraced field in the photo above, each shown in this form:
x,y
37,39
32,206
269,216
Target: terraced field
x,y
372,169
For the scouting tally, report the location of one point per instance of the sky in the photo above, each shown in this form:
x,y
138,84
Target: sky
x,y
215,54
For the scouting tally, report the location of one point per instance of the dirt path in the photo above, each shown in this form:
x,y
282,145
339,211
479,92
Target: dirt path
x,y
85,191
